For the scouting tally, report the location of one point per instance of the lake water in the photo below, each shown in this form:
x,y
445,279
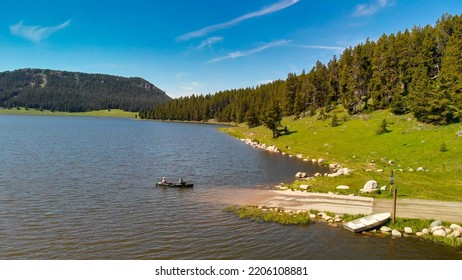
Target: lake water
x,y
84,188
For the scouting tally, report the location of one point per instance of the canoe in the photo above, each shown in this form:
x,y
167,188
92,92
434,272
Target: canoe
x,y
175,185
368,222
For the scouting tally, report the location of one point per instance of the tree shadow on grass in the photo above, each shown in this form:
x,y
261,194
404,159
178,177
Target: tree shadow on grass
x,y
285,131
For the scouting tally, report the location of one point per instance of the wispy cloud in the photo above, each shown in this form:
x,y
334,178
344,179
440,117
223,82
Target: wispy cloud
x,y
191,87
371,8
249,52
36,33
272,45
332,48
209,42
263,11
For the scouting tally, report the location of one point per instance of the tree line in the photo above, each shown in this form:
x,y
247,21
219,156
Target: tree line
x,y
416,71
76,92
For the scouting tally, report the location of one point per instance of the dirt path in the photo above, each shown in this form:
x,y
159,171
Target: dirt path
x,y
341,204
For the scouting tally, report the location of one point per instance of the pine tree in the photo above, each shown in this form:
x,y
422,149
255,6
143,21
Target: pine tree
x,y
290,93
272,118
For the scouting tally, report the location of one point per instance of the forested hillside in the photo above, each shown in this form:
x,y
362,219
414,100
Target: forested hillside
x,y
76,92
415,71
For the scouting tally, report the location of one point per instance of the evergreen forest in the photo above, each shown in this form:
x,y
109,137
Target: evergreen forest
x,y
76,92
416,71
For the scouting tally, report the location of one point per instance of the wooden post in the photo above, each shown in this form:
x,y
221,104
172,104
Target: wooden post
x,y
395,194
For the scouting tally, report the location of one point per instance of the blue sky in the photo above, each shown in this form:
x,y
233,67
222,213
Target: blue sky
x,y
198,46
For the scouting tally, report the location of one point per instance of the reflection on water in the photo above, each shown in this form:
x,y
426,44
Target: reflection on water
x,y
84,188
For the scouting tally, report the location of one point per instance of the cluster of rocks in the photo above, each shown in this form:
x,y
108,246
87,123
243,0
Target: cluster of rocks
x,y
263,146
332,220
436,229
410,169
337,170
275,149
454,231
392,162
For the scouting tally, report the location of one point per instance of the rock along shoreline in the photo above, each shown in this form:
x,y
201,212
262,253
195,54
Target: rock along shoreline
x,y
435,229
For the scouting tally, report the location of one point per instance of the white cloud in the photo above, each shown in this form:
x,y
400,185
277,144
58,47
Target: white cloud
x,y
332,48
37,33
264,11
191,87
371,8
209,42
272,45
249,52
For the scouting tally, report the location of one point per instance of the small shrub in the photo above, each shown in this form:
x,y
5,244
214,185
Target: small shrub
x,y
334,121
382,127
322,114
443,148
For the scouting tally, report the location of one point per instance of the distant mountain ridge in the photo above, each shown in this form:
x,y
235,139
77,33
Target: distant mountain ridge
x,y
76,92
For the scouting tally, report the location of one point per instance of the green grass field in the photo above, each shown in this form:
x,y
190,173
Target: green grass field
x,y
101,113
355,144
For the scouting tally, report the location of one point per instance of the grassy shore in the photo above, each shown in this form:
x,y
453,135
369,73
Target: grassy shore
x,y
100,113
354,143
303,218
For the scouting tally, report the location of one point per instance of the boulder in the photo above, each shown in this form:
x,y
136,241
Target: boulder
x,y
420,168
383,188
304,187
455,234
317,174
459,133
436,228
342,187
440,232
370,186
385,229
312,216
408,230
456,227
273,149
395,233
300,175
435,224
321,161
425,231
344,171
326,217
333,166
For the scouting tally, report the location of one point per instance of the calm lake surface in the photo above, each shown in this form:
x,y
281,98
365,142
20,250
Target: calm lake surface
x,y
84,188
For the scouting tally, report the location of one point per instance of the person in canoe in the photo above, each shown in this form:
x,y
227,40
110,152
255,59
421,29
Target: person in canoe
x,y
164,180
181,181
